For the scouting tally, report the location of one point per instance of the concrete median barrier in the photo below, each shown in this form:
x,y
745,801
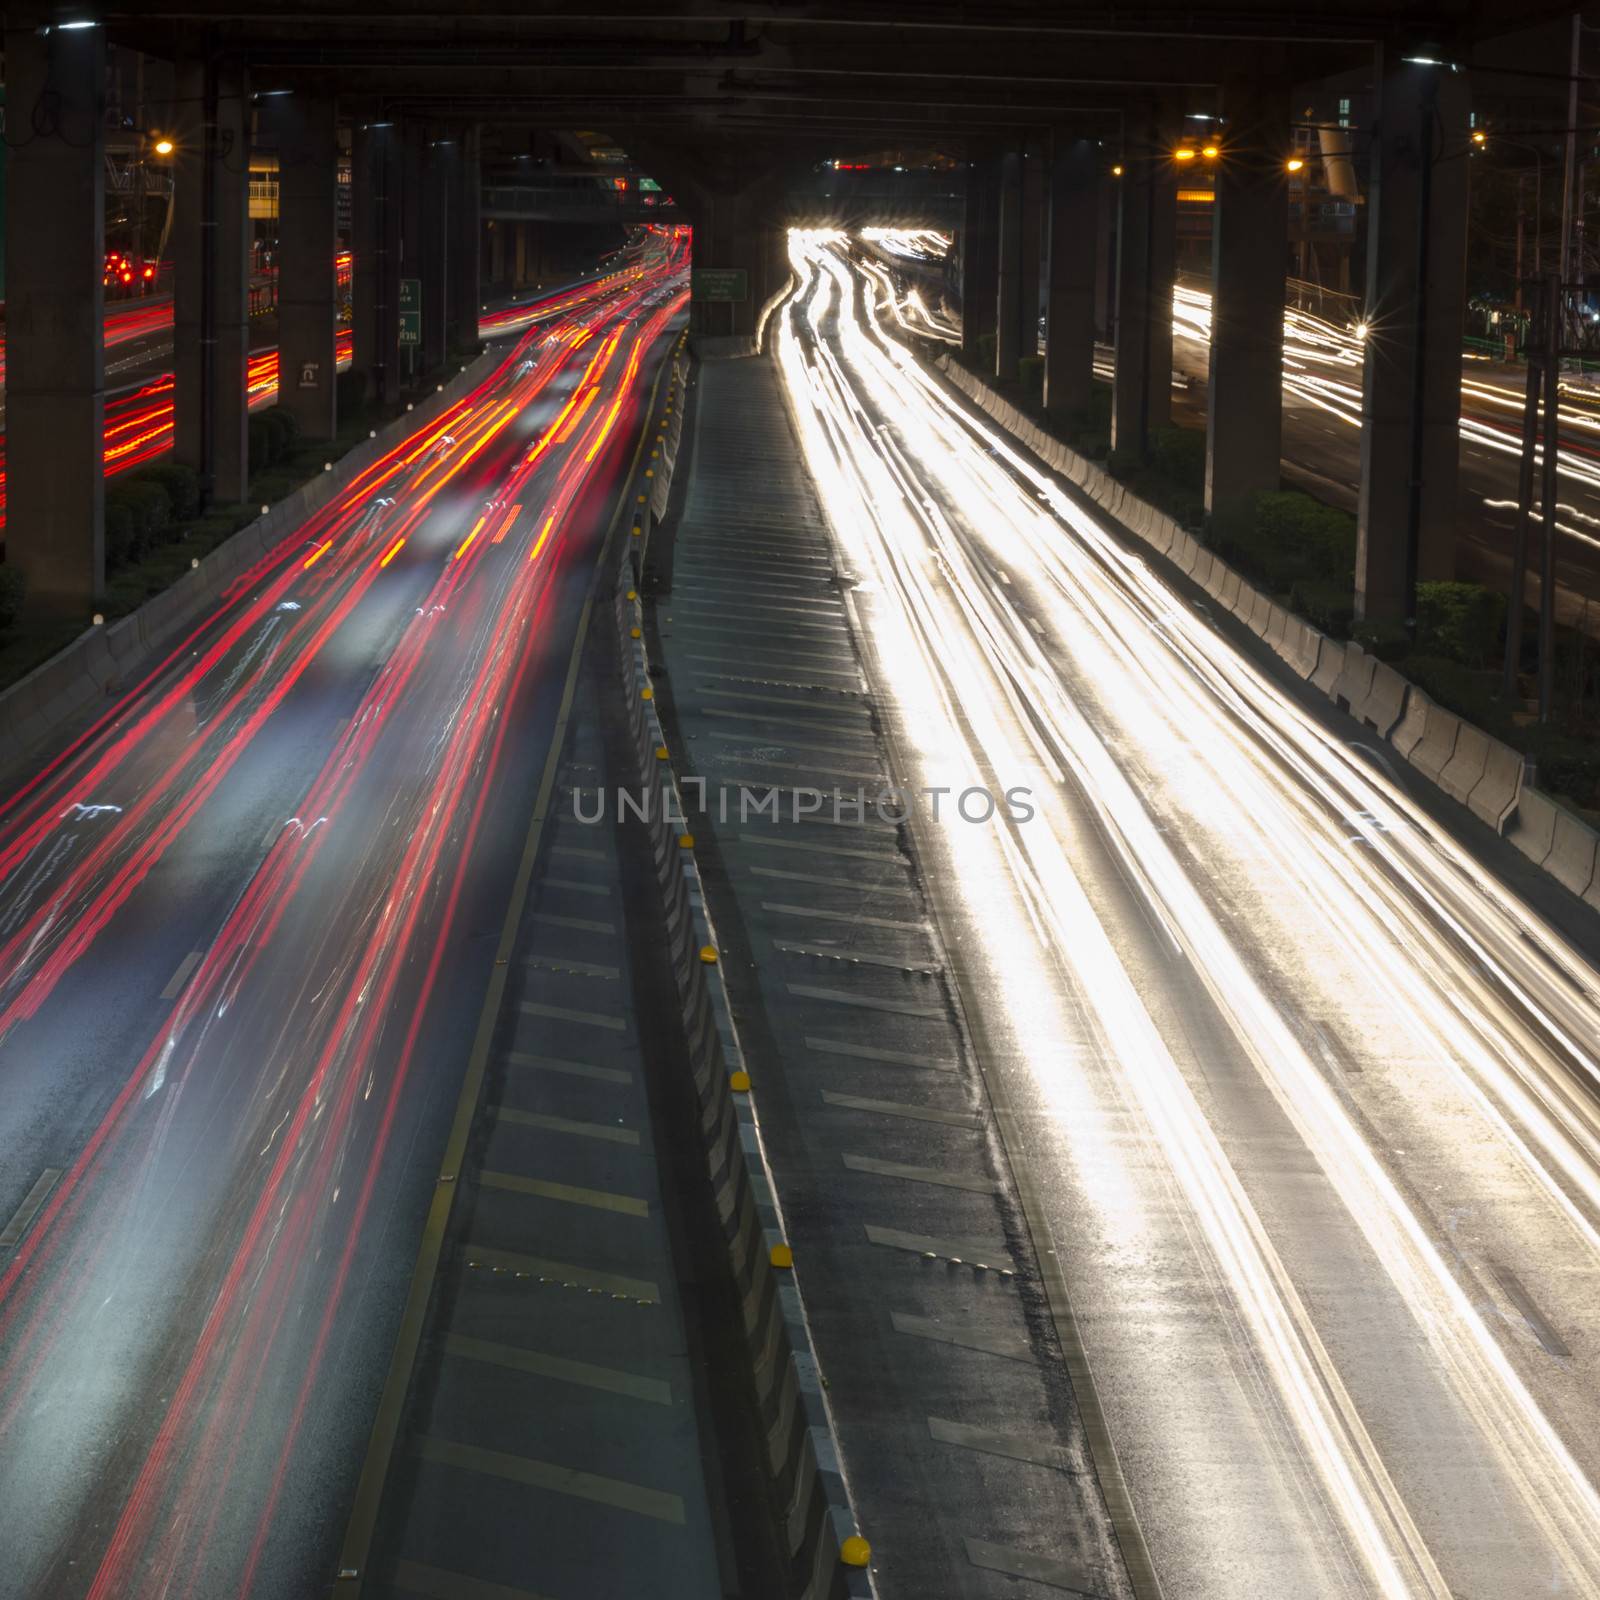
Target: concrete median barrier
x,y
1469,760
1495,797
1384,703
1433,751
1533,829
1299,646
1354,682
1574,847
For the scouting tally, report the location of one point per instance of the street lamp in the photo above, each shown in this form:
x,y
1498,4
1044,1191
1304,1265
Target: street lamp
x,y
163,147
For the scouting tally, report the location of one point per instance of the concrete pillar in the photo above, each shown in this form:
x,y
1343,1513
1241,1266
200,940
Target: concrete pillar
x,y
55,304
1249,247
210,247
1030,276
1146,241
439,164
731,230
302,127
1073,239
465,275
497,254
1008,270
375,257
1105,260
520,272
1410,433
979,258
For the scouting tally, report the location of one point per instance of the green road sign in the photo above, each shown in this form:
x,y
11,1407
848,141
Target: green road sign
x,y
411,311
726,284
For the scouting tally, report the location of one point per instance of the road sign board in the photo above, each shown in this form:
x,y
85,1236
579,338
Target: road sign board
x,y
411,311
726,284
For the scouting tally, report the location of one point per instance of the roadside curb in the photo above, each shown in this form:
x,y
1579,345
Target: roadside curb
x,y
1482,773
803,1455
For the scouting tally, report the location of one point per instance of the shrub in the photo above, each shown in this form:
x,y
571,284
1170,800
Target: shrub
x,y
350,393
1325,603
138,514
122,532
262,444
285,431
181,483
11,592
1030,373
1180,455
1460,621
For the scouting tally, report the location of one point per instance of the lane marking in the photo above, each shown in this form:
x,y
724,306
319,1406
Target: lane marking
x,y
919,1244
728,593
1013,1346
558,1480
565,1271
574,1069
809,769
582,924
13,1231
571,1194
819,952
575,884
579,852
1518,1295
434,1583
563,1371
899,1108
862,730
784,909
995,1442
582,969
584,1130
781,683
854,884
872,1052
841,997
722,736
590,1019
1025,1564
357,1543
772,658
889,857
941,1176
176,982
781,700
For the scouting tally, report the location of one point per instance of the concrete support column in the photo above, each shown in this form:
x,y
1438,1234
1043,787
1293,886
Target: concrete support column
x,y
1249,247
1030,274
1105,261
979,257
55,313
303,129
440,160
375,252
1146,243
210,246
732,231
1073,238
1008,271
497,254
465,244
1416,290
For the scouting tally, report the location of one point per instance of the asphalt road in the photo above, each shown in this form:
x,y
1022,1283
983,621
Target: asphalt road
x,y
1300,1096
246,921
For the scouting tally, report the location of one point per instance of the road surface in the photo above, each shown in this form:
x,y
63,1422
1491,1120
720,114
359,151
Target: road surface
x,y
246,922
1301,1098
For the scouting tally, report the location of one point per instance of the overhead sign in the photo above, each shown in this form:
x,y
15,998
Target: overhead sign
x,y
411,311
726,284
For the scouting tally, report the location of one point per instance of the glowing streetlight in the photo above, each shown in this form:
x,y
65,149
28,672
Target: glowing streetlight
x,y
1183,153
1211,152
1294,164
164,147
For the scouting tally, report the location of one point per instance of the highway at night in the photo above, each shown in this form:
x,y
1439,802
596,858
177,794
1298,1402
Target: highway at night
x,y
1301,1097
243,920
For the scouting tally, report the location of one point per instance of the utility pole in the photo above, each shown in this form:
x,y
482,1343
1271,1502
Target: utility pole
x,y
1537,367
1547,498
